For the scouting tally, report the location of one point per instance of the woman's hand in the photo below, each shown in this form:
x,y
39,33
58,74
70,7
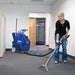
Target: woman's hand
x,y
66,35
57,41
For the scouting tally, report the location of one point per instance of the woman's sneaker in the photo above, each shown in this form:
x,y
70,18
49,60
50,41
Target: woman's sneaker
x,y
56,62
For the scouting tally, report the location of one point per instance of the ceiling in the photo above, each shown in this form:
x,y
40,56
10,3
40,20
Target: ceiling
x,y
28,2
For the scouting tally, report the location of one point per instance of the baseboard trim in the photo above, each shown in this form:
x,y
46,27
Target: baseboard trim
x,y
8,49
73,57
47,45
51,49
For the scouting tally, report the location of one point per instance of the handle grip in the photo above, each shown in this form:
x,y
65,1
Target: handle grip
x,y
59,43
66,37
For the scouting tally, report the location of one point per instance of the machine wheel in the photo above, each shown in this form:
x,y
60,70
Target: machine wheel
x,y
13,50
22,52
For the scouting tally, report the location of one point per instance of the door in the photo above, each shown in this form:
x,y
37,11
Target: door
x,y
32,31
40,31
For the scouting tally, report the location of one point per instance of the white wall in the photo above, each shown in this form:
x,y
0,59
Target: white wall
x,y
2,34
22,13
43,15
68,7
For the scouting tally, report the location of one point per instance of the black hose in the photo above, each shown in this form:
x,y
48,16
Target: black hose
x,y
39,55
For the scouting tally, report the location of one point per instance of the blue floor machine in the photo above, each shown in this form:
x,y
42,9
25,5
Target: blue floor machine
x,y
20,42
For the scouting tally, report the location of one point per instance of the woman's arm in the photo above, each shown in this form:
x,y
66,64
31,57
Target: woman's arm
x,y
68,28
57,38
57,32
67,32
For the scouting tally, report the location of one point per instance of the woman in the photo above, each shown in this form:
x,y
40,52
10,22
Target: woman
x,y
62,28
